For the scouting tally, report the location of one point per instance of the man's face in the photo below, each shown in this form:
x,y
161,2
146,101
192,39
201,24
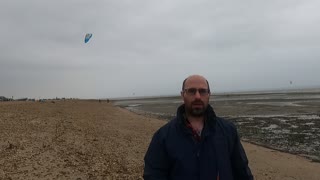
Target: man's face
x,y
195,96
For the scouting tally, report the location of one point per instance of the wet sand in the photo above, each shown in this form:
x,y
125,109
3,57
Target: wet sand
x,y
286,121
92,140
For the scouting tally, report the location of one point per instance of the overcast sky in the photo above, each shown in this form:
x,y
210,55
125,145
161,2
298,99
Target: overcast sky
x,y
147,47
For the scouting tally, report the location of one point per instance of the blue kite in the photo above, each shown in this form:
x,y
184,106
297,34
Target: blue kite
x,y
87,37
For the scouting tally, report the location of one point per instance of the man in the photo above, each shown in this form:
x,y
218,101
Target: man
x,y
196,144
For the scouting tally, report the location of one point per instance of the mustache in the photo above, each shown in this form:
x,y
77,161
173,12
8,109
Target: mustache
x,y
197,102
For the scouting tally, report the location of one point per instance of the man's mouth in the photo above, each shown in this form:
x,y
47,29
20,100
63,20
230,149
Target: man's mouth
x,y
197,104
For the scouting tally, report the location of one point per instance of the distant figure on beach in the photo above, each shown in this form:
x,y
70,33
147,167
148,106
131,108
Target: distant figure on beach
x,y
196,144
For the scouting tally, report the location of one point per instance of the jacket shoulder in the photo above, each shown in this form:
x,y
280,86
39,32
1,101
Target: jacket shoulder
x,y
163,131
226,126
226,123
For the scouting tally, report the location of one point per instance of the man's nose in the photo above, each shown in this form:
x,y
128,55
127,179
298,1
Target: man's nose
x,y
197,95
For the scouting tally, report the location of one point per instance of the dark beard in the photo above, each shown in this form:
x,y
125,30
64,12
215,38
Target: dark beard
x,y
198,112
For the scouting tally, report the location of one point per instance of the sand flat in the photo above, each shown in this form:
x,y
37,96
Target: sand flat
x,y
91,140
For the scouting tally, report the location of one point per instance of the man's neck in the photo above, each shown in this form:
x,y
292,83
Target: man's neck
x,y
197,123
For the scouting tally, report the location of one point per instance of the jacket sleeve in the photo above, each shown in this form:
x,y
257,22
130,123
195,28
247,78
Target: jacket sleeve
x,y
239,161
156,161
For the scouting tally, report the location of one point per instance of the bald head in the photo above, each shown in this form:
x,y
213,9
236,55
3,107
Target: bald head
x,y
194,78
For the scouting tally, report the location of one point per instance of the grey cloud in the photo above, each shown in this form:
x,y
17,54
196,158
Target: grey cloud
x,y
148,47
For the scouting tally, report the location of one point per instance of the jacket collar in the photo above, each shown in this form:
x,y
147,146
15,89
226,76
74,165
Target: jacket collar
x,y
210,117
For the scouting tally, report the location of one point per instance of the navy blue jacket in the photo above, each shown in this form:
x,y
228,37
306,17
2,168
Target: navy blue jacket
x,y
174,154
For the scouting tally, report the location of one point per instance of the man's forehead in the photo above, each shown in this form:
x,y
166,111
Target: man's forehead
x,y
196,80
